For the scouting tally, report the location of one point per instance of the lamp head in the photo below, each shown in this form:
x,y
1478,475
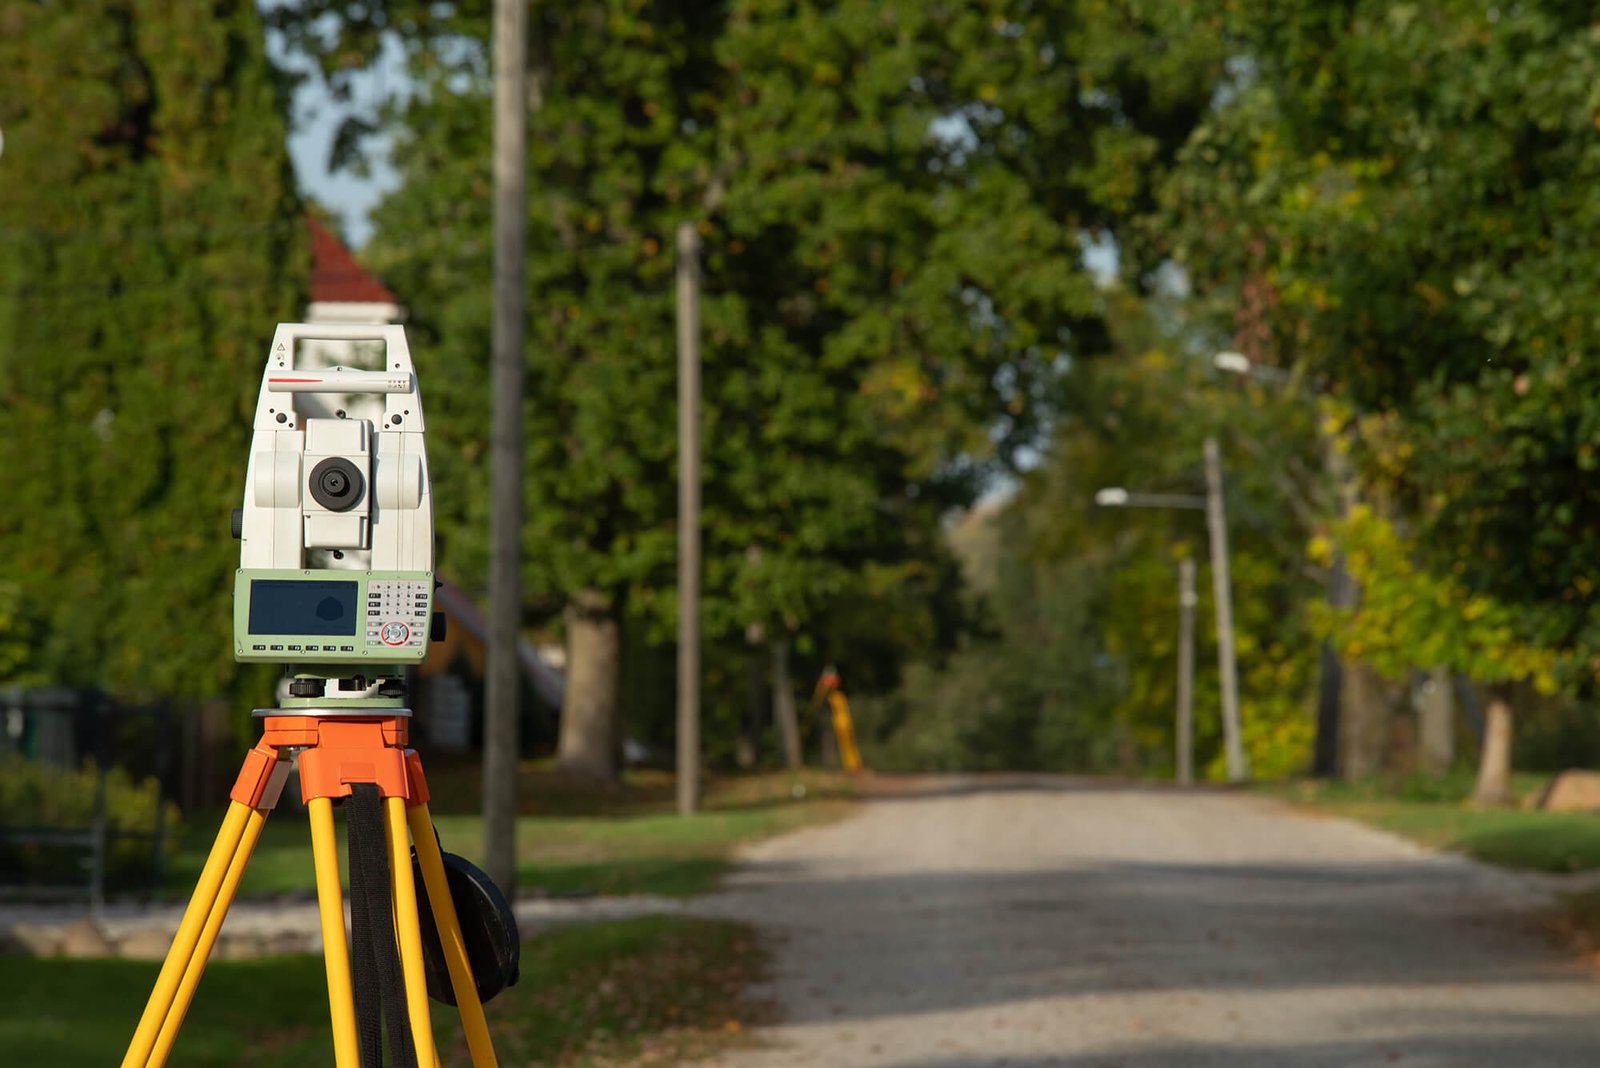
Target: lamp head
x,y
1111,497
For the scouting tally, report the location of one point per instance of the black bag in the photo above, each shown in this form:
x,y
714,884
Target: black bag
x,y
488,928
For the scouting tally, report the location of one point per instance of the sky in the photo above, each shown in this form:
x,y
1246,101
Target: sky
x,y
316,116
349,197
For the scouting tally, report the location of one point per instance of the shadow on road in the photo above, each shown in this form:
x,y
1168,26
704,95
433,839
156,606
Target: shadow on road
x,y
1513,1041
928,943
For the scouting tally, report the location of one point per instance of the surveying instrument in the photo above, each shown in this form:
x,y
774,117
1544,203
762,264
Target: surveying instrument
x,y
336,583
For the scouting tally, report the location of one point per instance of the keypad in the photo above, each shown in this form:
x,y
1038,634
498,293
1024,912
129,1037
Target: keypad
x,y
397,613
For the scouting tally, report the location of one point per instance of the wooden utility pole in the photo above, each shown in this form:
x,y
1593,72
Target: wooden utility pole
x,y
1222,589
688,519
1186,603
501,744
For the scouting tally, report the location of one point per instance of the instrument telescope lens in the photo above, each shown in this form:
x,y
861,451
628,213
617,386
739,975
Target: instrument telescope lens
x,y
336,484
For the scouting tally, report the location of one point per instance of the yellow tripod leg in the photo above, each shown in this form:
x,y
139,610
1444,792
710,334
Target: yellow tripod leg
x,y
455,948
208,939
408,930
188,936
335,949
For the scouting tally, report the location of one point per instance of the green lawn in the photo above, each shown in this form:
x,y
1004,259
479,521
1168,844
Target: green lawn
x,y
637,991
570,840
1436,813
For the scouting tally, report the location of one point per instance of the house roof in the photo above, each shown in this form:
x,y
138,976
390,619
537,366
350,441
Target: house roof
x,y
336,277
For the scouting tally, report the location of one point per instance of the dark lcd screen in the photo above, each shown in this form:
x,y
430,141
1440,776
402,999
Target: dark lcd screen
x,y
303,606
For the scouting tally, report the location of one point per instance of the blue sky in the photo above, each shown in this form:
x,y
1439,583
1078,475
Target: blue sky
x,y
316,116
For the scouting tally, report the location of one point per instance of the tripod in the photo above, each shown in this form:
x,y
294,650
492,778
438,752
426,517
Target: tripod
x,y
357,753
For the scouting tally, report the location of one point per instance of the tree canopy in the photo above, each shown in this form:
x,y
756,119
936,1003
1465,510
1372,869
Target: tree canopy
x,y
1388,203
893,204
150,236
1403,188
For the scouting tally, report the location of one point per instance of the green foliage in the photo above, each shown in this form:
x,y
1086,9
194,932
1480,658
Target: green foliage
x,y
1031,694
795,488
17,635
1079,672
1395,197
892,203
149,239
39,795
1408,616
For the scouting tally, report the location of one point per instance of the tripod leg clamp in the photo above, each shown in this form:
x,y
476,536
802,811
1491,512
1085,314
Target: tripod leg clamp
x,y
261,779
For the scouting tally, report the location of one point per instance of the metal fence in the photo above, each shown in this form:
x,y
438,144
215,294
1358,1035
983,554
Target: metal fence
x,y
65,729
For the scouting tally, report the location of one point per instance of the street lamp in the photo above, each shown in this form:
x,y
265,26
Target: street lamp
x,y
1117,497
1222,587
1111,497
1233,362
1237,363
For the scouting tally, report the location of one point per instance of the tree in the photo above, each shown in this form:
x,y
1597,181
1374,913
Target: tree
x,y
1402,188
1140,423
17,636
1409,616
892,203
150,238
1077,671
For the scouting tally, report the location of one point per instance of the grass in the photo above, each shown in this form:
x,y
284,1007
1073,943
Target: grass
x,y
636,992
570,839
1436,813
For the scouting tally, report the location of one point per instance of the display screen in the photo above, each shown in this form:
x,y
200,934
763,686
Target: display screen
x,y
303,606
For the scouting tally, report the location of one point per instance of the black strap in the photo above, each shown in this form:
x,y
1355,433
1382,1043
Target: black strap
x,y
380,995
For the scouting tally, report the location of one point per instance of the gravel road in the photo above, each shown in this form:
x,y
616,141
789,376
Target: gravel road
x,y
1036,921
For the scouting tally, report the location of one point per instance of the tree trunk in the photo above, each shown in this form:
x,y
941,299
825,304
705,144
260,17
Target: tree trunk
x,y
1342,594
1364,733
827,742
747,753
1436,723
591,721
1330,695
1494,766
783,705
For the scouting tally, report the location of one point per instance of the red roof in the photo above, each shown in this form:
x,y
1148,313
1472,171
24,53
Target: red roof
x,y
336,277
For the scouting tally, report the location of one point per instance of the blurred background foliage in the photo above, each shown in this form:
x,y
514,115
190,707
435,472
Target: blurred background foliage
x,y
965,264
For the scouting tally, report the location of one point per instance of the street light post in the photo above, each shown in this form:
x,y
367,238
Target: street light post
x,y
1222,593
1238,768
1186,603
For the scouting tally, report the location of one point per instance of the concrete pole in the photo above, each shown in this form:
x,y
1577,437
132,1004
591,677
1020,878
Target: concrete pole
x,y
1186,603
501,744
688,519
1227,666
